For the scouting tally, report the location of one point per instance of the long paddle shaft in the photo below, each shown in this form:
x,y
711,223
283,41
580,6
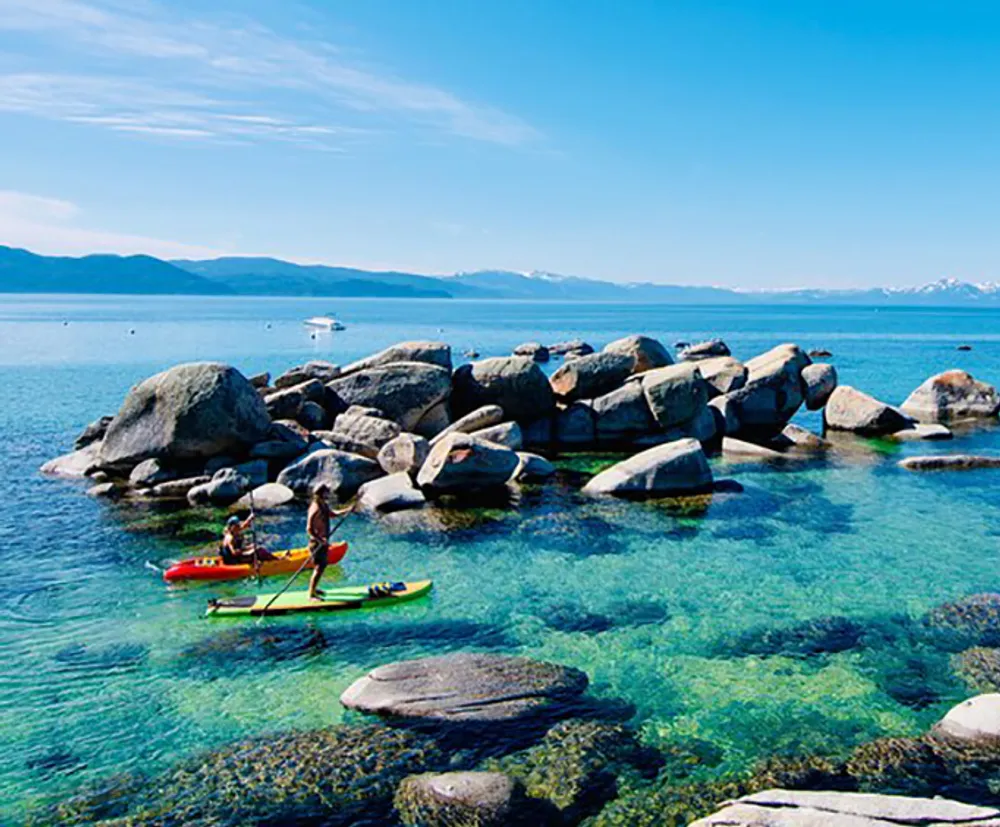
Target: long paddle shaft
x,y
253,540
305,563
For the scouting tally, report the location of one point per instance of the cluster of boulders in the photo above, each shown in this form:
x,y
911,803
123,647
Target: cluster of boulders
x,y
402,426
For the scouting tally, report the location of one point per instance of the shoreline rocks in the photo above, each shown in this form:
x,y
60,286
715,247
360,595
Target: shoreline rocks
x,y
951,396
673,468
462,462
515,383
849,409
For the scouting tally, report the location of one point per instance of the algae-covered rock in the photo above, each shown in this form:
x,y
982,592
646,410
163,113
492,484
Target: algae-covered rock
x,y
456,799
576,765
336,776
810,637
971,620
979,667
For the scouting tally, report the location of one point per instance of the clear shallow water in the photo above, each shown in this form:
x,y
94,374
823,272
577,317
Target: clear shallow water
x,y
106,670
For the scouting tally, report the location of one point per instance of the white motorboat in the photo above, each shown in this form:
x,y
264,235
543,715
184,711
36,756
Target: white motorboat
x,y
324,323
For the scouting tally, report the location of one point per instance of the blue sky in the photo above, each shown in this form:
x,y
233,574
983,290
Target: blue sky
x,y
749,144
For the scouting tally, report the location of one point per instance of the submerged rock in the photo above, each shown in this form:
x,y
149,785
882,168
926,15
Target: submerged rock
x,y
822,635
646,352
515,383
849,409
465,688
674,468
973,620
949,462
979,667
456,799
950,396
190,411
796,438
461,462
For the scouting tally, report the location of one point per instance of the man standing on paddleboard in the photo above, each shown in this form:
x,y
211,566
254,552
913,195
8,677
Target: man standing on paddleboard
x,y
318,529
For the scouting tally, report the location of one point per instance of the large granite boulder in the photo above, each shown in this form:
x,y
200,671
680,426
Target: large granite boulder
x,y
320,371
673,468
265,497
473,421
226,486
313,417
591,375
623,414
647,353
575,425
515,383
284,404
466,688
773,390
972,720
461,463
429,353
723,374
533,350
727,416
951,396
532,467
151,472
705,350
456,799
436,420
391,493
369,430
343,472
190,411
849,409
818,382
281,442
403,391
405,453
806,808
675,394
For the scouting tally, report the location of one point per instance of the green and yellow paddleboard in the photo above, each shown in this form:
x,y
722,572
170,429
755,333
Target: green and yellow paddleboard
x,y
334,600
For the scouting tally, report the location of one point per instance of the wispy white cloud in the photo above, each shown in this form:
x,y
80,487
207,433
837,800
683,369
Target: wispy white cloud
x,y
51,225
229,70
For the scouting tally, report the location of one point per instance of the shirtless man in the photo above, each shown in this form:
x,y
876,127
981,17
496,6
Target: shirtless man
x,y
318,529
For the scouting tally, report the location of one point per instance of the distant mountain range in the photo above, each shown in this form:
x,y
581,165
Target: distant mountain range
x,y
25,272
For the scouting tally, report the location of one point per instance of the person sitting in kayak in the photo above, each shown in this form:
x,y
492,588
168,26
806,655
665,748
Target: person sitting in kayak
x,y
318,529
235,549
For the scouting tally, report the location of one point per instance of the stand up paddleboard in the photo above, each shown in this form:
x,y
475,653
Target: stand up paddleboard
x,y
337,599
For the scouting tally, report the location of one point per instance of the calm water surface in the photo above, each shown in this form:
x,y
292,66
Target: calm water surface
x,y
106,670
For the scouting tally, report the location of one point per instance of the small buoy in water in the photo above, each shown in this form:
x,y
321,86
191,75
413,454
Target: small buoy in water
x,y
65,324
965,347
268,326
131,332
312,335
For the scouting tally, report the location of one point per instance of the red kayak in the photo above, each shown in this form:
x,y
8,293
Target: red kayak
x,y
212,567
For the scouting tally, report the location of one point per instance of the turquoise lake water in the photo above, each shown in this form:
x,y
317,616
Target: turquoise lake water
x,y
107,670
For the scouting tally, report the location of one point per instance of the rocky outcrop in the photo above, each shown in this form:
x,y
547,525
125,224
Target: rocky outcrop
x,y
674,468
773,390
849,409
818,382
533,350
806,808
190,411
343,472
321,371
403,391
368,430
178,488
592,375
313,416
675,394
705,350
577,346
623,414
507,434
949,462
515,383
406,453
151,472
976,719
391,493
429,353
723,374
436,420
952,396
726,414
647,353
923,431
462,463
473,421
456,799
284,404
466,688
